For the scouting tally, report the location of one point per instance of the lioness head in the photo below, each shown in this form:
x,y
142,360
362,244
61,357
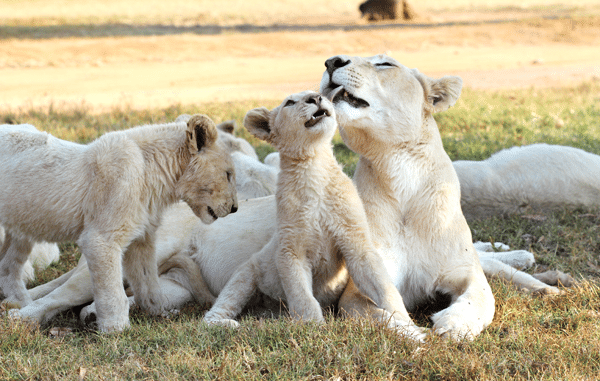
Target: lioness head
x,y
296,126
208,182
377,99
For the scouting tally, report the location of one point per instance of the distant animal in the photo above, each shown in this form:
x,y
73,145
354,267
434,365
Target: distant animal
x,y
108,195
376,10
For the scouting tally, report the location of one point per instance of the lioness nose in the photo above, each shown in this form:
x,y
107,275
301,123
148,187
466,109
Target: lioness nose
x,y
335,63
233,208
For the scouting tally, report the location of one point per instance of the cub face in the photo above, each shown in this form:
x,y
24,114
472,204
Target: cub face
x,y
208,183
301,122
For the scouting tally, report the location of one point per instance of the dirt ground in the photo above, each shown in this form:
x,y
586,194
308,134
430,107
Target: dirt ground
x,y
158,71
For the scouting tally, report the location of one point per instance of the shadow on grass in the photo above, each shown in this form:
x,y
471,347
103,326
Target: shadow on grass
x,y
118,29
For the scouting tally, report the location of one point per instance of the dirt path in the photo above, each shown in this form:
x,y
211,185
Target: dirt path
x,y
158,71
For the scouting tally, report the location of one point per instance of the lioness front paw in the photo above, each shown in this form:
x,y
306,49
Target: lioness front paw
x,y
459,322
412,331
114,324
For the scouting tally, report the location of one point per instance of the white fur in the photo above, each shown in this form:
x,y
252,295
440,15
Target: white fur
x,y
322,228
109,196
410,189
253,178
245,233
538,176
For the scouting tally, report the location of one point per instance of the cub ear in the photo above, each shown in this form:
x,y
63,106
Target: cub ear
x,y
256,122
183,118
201,133
228,126
444,92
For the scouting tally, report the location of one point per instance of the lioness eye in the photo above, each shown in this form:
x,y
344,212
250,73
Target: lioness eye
x,y
385,64
229,174
289,103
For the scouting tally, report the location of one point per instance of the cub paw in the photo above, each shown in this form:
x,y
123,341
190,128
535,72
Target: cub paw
x,y
226,323
153,303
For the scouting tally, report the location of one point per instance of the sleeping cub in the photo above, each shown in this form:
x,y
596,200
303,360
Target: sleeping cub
x,y
322,227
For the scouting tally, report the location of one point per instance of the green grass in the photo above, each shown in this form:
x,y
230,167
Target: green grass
x,y
530,338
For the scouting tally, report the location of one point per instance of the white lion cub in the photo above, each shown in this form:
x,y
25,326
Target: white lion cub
x,y
108,195
322,227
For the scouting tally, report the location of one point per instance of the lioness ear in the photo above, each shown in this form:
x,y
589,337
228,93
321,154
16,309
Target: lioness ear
x,y
201,133
444,92
256,122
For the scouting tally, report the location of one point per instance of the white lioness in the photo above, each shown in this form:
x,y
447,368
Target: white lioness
x,y
409,188
109,196
321,225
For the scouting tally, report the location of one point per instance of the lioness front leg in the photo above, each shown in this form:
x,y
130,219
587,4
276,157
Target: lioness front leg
x,y
103,256
354,303
365,265
472,308
141,271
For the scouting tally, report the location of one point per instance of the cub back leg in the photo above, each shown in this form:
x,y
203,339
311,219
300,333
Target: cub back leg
x,y
14,254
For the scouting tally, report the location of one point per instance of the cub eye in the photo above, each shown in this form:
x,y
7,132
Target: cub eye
x,y
385,64
229,175
289,103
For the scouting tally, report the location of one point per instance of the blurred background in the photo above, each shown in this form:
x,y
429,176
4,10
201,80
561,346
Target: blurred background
x,y
155,53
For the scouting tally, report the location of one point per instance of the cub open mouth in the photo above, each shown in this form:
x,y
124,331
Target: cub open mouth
x,y
316,117
340,94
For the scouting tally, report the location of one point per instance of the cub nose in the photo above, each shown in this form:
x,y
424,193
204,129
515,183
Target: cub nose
x,y
335,63
234,208
314,99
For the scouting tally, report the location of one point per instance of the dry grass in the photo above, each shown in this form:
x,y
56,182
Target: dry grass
x,y
530,338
